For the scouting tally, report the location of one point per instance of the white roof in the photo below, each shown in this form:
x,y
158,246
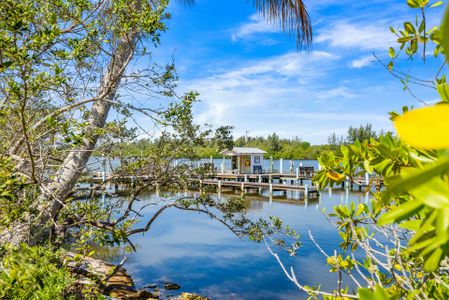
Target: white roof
x,y
242,150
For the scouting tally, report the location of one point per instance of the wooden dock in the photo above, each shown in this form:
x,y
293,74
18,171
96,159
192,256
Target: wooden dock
x,y
305,190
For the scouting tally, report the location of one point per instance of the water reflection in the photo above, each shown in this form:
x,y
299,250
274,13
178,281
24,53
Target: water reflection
x,y
206,258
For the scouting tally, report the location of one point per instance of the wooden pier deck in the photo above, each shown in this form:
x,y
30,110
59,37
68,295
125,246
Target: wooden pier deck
x,y
307,191
264,176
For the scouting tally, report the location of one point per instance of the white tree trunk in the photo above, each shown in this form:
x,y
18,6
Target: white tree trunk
x,y
75,162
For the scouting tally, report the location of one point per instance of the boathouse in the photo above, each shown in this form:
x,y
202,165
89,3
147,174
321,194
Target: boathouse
x,y
244,160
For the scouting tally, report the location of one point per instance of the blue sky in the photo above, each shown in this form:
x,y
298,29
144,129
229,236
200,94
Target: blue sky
x,y
250,75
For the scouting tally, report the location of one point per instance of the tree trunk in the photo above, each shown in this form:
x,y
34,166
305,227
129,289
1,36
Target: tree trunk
x,y
75,162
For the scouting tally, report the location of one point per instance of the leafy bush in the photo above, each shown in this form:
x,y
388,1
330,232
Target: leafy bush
x,y
33,273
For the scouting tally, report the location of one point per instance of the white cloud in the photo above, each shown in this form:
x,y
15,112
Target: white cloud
x,y
339,92
257,84
256,24
374,36
362,62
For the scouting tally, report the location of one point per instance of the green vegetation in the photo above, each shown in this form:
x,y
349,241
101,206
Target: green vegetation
x,y
65,66
34,273
62,65
274,145
397,247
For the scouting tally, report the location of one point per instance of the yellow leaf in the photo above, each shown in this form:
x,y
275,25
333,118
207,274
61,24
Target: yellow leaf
x,y
426,127
334,175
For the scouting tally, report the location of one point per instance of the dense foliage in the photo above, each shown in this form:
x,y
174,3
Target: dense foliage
x,y
34,273
397,247
71,73
274,145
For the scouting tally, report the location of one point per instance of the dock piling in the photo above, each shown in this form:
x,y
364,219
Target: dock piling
x,y
281,162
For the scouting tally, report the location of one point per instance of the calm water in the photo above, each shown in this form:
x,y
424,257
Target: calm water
x,y
206,258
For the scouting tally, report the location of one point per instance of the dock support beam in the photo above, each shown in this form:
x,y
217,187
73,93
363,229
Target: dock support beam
x,y
306,191
281,161
104,169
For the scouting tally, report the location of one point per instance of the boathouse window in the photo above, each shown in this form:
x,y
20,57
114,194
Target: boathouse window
x,y
257,159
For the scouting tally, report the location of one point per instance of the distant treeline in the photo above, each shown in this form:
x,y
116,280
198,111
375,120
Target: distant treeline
x,y
294,148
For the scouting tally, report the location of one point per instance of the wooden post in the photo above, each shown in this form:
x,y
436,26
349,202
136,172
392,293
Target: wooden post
x,y
291,166
366,179
245,178
280,165
260,178
239,161
223,168
104,169
219,185
243,187
297,172
271,188
271,164
306,191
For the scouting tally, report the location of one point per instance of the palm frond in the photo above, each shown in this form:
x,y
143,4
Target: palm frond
x,y
290,15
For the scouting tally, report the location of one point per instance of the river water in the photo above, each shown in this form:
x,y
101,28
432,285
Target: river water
x,y
204,257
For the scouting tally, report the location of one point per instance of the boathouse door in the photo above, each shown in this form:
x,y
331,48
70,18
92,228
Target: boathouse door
x,y
245,164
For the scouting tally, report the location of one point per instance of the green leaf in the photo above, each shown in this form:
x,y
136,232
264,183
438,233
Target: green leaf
x,y
391,52
445,33
432,262
443,91
390,66
413,3
434,193
378,293
400,212
409,27
436,4
411,225
411,179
